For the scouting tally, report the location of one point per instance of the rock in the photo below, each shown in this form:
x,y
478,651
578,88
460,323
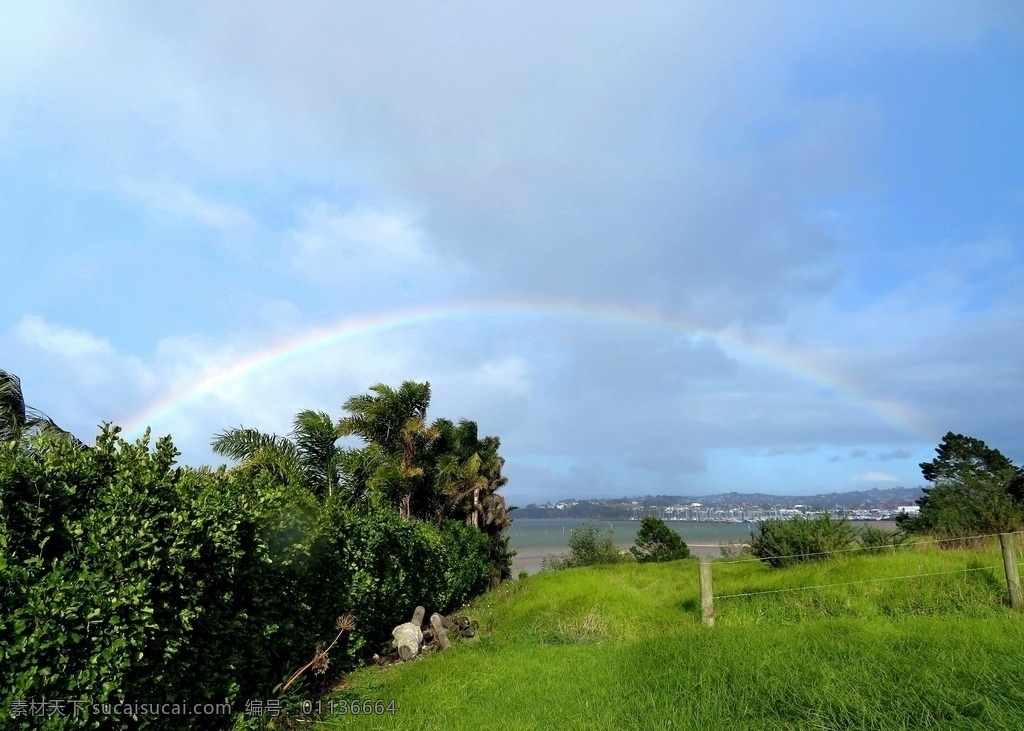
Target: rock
x,y
408,639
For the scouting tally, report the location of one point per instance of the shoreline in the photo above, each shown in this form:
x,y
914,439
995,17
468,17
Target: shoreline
x,y
530,559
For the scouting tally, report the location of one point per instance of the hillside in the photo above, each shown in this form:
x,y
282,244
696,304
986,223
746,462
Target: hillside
x,y
622,647
627,507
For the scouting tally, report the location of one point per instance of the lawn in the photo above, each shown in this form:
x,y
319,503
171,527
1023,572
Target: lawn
x,y
623,647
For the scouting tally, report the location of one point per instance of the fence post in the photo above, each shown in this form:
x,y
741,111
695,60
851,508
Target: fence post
x,y
1009,546
707,606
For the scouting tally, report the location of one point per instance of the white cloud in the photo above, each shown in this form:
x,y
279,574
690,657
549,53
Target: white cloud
x,y
365,250
94,361
674,158
75,344
173,198
874,476
509,375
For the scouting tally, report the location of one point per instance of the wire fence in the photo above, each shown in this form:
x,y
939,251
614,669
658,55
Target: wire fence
x,y
875,549
1009,565
851,583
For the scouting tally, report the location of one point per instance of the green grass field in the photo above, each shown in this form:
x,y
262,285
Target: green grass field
x,y
622,647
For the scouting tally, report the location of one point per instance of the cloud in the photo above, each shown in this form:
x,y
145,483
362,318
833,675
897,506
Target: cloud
x,y
670,463
509,375
366,250
737,172
93,360
63,341
895,454
791,449
77,378
873,476
167,197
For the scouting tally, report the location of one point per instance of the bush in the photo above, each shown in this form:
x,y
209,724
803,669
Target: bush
x,y
588,545
877,540
124,578
656,542
785,542
386,565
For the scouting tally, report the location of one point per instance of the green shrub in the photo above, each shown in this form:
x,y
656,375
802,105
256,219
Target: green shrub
x,y
588,545
656,542
124,578
130,580
386,565
785,542
877,540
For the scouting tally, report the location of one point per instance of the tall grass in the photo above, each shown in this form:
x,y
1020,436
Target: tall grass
x,y
622,647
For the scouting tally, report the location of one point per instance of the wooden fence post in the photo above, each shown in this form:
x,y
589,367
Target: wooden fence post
x,y
1009,546
707,605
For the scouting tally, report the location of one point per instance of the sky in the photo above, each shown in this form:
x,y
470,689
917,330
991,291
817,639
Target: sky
x,y
656,248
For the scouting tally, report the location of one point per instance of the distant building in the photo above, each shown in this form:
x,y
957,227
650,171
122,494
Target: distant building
x,y
908,509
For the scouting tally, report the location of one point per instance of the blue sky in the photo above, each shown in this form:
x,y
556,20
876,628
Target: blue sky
x,y
668,248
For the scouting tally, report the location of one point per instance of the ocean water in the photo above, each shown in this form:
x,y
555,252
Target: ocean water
x,y
552,534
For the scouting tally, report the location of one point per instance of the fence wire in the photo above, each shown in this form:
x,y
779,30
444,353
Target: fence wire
x,y
876,549
851,583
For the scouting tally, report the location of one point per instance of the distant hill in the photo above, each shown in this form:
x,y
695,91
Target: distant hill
x,y
627,507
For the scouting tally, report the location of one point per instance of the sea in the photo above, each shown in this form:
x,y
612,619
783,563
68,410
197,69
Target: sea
x,y
535,538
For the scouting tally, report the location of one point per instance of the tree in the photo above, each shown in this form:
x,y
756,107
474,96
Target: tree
x,y
464,470
13,412
975,490
394,423
959,456
310,458
589,545
440,472
655,541
20,422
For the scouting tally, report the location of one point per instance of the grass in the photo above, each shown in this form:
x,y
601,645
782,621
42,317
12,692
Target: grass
x,y
622,647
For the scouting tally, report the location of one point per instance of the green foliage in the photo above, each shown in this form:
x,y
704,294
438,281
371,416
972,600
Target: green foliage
x,y
309,458
958,455
975,491
437,472
785,542
656,541
622,647
385,565
589,545
440,472
877,540
21,422
123,577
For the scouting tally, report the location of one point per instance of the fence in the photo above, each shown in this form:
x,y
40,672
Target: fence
x,y
1009,563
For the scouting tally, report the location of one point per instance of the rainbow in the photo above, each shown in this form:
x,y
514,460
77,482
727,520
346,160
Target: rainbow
x,y
361,326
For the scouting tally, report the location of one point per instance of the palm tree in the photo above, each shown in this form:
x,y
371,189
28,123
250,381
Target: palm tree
x,y
310,457
13,412
467,470
381,418
495,522
394,422
20,422
456,481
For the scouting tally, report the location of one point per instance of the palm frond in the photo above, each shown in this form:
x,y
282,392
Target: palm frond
x,y
243,443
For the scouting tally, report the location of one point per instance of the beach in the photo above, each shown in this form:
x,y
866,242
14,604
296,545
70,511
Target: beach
x,y
530,560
